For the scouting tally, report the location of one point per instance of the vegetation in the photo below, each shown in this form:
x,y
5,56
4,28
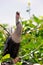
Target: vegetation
x,y
31,42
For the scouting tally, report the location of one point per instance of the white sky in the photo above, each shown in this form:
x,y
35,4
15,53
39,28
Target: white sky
x,y
9,7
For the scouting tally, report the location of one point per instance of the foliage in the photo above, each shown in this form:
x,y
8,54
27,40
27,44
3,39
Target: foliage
x,y
3,37
31,42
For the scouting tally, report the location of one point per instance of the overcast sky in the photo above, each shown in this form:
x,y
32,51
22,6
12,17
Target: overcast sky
x,y
9,7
